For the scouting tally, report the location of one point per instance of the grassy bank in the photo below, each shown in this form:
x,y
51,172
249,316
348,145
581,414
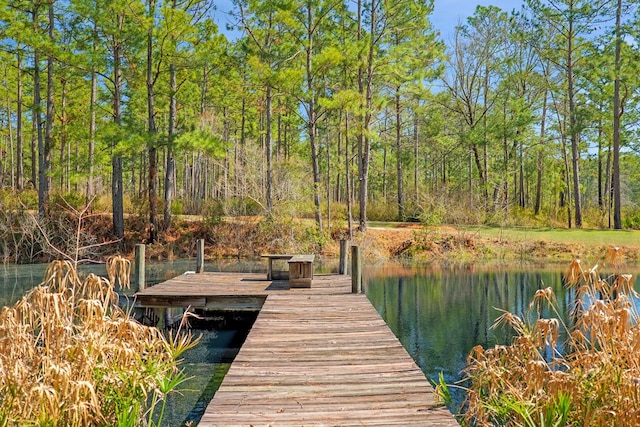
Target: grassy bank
x,y
26,241
495,244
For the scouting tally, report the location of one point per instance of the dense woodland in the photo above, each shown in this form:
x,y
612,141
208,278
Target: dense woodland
x,y
328,109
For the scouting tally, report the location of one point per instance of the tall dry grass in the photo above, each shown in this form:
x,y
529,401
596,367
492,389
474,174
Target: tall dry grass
x,y
593,380
69,356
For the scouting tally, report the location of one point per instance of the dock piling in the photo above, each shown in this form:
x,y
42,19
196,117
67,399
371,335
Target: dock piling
x,y
356,270
140,267
200,256
342,267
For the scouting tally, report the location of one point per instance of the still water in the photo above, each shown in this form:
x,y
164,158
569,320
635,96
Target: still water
x,y
438,314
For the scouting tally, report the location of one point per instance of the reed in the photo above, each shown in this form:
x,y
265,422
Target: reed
x,y
592,379
69,356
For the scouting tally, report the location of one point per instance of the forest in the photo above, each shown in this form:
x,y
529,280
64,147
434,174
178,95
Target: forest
x,y
339,111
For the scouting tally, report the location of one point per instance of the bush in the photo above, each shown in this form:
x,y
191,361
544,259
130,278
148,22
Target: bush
x,y
381,210
632,221
63,201
177,207
25,199
242,206
432,214
62,369
592,379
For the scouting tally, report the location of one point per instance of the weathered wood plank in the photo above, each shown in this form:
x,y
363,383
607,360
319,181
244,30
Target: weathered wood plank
x,y
317,356
323,360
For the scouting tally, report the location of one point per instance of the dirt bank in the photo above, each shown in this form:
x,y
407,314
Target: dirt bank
x,y
250,237
442,244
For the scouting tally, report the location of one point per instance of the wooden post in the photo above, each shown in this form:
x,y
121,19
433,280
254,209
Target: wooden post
x,y
140,267
356,270
342,267
200,256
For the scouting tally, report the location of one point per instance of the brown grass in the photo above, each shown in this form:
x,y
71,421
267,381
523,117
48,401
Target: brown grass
x,y
69,356
594,380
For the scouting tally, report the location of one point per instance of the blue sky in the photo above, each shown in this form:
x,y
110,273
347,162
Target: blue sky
x,y
449,13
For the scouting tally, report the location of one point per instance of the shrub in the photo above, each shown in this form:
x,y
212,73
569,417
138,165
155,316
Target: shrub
x,y
381,211
69,356
432,214
25,199
212,211
591,379
632,222
63,201
242,206
177,207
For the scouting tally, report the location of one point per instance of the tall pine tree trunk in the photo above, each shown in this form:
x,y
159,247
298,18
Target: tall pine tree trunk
x,y
617,112
117,190
399,172
37,113
313,116
152,150
573,132
45,184
169,183
268,151
19,132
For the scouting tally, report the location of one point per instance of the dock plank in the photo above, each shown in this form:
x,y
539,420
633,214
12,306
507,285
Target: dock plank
x,y
317,356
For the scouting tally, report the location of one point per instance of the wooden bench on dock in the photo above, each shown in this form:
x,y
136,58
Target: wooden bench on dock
x,y
300,273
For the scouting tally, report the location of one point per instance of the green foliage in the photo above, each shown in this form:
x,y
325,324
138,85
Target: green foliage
x,y
177,207
238,206
64,201
382,211
632,221
212,211
312,239
199,140
432,214
467,144
11,200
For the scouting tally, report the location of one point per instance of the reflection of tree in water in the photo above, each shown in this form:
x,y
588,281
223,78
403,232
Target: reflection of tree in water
x,y
440,316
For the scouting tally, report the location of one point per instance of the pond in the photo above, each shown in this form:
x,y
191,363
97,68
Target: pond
x,y
439,315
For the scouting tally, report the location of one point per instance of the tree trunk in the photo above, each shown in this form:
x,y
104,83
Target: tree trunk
x,y
45,177
617,112
169,183
540,160
567,178
268,153
416,193
573,133
91,190
313,116
153,150
19,140
328,157
10,149
399,156
37,112
348,179
601,189
65,166
521,191
35,142
364,141
117,191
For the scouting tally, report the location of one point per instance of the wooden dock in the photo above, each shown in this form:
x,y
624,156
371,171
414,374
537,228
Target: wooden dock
x,y
319,356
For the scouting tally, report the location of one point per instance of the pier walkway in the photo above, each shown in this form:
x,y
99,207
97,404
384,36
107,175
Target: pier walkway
x,y
319,356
